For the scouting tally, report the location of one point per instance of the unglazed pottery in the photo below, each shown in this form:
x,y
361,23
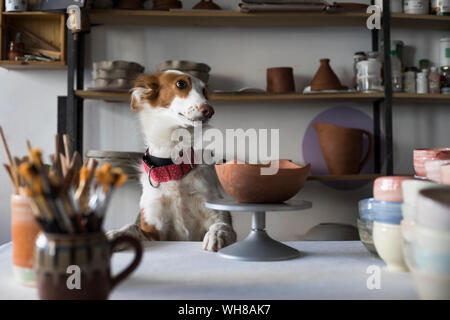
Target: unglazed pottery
x,y
245,183
387,212
206,5
445,174
342,147
325,78
431,286
411,189
389,188
388,242
365,229
433,169
423,155
24,232
280,80
365,208
91,253
433,208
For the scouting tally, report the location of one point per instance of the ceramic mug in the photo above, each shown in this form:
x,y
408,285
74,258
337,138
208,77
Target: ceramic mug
x,y
389,188
24,232
388,242
58,256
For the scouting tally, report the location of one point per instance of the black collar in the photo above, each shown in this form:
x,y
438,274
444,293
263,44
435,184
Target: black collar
x,y
156,162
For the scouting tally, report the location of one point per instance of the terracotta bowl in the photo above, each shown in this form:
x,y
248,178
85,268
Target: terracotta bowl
x,y
445,174
389,188
244,182
423,155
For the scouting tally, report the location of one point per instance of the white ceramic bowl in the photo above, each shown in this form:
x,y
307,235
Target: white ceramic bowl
x,y
388,242
431,285
431,239
433,169
411,189
433,208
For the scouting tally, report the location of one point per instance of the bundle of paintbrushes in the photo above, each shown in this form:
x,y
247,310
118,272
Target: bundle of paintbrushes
x,y
67,196
62,207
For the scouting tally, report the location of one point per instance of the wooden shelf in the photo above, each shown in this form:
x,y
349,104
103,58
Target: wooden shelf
x,y
38,65
421,98
266,19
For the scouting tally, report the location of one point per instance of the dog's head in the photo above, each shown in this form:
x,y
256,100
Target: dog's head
x,y
177,95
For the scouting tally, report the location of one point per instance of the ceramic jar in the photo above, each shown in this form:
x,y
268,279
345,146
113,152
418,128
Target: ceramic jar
x,y
24,232
59,256
280,80
342,147
423,155
388,243
389,188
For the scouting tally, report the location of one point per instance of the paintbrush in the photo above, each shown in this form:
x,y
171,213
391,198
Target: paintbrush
x,y
13,168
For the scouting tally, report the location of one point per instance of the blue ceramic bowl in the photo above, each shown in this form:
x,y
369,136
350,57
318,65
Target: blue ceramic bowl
x,y
431,261
366,209
387,212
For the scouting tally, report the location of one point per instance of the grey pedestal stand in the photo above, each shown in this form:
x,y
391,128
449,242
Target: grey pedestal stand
x,y
258,246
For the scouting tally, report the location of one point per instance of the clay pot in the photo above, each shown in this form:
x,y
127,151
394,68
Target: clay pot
x,y
166,4
206,5
130,4
325,78
342,147
91,253
280,80
245,183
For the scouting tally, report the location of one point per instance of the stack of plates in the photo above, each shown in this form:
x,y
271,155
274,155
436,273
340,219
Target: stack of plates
x,y
115,75
128,161
196,69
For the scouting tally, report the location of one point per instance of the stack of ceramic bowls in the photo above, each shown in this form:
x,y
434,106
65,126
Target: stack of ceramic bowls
x,y
387,207
445,174
410,190
421,156
365,224
196,69
431,243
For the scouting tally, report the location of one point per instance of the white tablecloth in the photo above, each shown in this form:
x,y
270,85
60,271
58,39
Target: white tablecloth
x,y
182,270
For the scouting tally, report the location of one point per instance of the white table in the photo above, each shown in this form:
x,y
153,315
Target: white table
x,y
182,270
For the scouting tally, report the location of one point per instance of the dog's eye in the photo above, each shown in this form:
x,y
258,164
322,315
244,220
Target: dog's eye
x,y
181,84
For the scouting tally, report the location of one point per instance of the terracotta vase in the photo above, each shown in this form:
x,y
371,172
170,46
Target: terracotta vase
x,y
280,80
56,254
246,183
325,78
166,4
342,147
206,5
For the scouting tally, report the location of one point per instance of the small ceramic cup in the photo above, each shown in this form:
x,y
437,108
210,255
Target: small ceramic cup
x,y
423,155
365,207
59,256
445,174
388,212
411,189
433,208
388,243
365,229
24,233
389,188
433,169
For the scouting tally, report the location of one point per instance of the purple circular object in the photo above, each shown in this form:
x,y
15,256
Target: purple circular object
x,y
344,117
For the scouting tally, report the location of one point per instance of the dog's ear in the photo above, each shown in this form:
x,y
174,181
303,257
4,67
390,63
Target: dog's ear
x,y
146,87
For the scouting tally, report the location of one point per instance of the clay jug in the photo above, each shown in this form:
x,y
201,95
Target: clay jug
x,y
280,80
206,5
342,147
325,78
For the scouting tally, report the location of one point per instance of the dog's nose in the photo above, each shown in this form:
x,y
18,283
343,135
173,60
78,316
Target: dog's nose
x,y
206,110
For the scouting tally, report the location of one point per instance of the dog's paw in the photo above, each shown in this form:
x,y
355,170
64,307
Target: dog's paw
x,y
131,230
218,236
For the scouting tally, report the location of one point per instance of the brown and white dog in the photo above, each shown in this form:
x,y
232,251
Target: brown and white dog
x,y
174,209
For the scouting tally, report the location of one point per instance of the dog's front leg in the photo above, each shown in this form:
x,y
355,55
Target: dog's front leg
x,y
220,231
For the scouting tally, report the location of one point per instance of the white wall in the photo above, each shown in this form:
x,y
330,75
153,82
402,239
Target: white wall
x,y
239,58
